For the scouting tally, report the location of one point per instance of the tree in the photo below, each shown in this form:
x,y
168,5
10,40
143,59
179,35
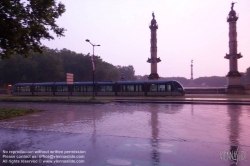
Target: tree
x,y
142,78
53,66
24,23
128,72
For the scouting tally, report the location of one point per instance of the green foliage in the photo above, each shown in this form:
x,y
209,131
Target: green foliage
x,y
81,66
13,112
53,65
128,72
52,99
143,78
36,68
24,23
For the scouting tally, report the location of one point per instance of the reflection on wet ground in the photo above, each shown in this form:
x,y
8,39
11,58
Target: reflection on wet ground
x,y
132,134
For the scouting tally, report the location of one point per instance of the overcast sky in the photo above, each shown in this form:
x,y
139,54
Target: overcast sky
x,y
188,29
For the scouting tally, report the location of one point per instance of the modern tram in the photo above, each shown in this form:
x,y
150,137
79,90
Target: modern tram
x,y
120,88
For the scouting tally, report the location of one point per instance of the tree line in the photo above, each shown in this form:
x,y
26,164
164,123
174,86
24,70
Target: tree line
x,y
52,66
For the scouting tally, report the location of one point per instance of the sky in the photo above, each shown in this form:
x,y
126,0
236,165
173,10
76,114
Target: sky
x,y
187,30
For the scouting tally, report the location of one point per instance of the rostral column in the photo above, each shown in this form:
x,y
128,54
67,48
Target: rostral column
x,y
153,50
234,77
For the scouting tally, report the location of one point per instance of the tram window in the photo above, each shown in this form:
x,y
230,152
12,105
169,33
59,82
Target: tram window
x,y
168,88
109,88
123,88
177,86
43,89
59,88
153,88
101,89
48,89
83,88
25,89
76,88
138,88
89,89
65,88
131,88
37,88
161,88
80,89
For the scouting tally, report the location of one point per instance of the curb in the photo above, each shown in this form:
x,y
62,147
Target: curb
x,y
208,102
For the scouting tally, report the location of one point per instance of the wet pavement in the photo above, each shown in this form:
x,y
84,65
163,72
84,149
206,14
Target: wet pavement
x,y
203,101
132,134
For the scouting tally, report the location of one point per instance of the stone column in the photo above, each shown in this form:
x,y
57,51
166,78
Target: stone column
x,y
153,50
234,77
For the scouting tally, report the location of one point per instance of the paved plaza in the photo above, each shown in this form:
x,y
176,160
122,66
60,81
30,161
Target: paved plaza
x,y
130,134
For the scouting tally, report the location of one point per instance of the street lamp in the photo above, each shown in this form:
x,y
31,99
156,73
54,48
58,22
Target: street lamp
x,y
87,40
122,76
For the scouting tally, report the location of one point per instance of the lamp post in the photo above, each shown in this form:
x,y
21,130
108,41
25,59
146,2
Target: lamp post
x,y
122,77
87,40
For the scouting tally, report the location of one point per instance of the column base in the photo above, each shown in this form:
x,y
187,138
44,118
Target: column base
x,y
235,89
235,85
234,79
153,76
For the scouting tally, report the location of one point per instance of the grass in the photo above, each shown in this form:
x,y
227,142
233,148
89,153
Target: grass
x,y
6,113
56,99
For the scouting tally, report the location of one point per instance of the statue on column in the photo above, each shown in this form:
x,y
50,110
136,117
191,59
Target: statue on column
x,y
232,7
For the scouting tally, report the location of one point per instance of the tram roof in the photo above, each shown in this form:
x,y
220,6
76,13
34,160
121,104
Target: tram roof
x,y
130,82
83,83
158,82
23,84
106,83
44,84
142,82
